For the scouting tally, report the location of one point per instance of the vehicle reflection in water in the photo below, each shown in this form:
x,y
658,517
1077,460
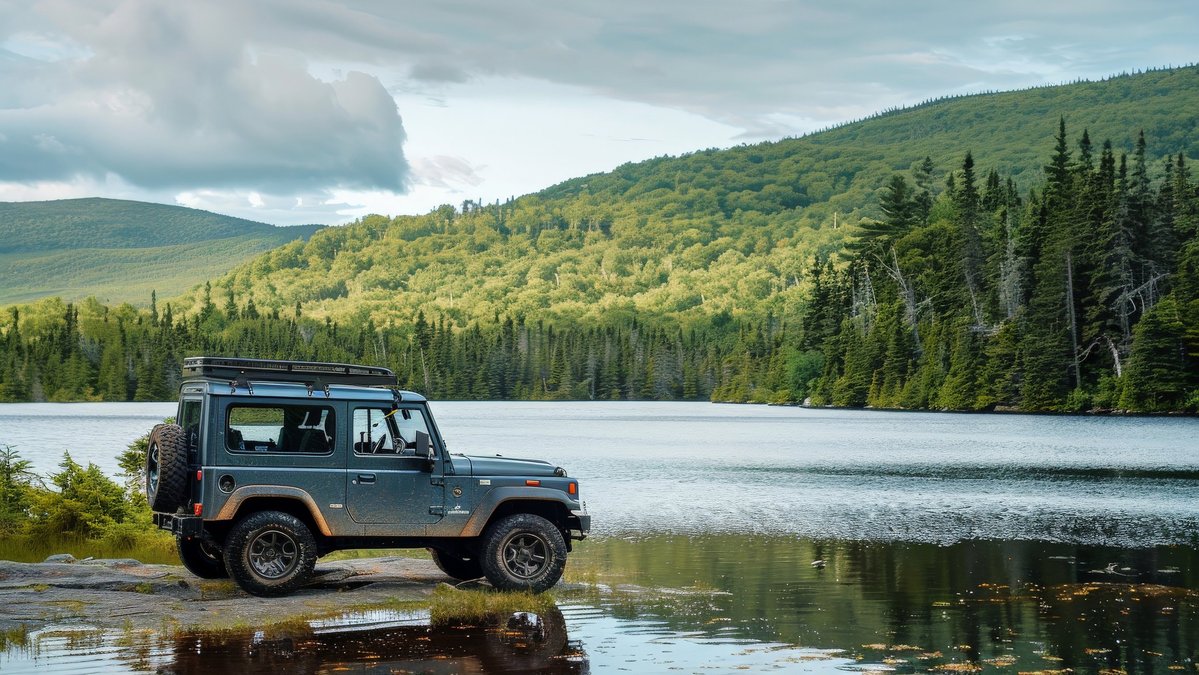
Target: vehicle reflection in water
x,y
378,641
386,642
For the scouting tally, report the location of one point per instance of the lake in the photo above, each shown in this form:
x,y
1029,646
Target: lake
x,y
948,541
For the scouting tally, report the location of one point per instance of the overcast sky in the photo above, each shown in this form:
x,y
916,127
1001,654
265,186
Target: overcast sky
x,y
311,111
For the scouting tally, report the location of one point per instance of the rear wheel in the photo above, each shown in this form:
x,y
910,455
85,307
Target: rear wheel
x,y
166,468
201,558
523,552
270,553
456,566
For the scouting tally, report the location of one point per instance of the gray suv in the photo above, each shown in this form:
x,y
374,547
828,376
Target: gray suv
x,y
273,464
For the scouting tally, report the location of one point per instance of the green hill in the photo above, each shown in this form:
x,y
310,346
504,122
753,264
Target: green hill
x,y
714,233
982,252
119,251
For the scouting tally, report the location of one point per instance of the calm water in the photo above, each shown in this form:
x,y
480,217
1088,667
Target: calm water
x,y
1001,542
91,432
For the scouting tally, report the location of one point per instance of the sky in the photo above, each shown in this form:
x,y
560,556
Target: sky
x,y
317,111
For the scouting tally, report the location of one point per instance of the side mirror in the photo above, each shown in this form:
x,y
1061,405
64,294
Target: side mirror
x,y
423,447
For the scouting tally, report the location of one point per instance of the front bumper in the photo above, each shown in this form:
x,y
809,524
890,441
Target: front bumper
x,y
580,524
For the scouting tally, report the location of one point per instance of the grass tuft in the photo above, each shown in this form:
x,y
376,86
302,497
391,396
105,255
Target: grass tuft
x,y
452,606
154,547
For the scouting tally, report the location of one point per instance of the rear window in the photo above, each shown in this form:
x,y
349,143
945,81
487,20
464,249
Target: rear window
x,y
189,419
306,429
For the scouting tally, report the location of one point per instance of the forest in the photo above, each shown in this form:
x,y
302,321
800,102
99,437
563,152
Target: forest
x,y
964,293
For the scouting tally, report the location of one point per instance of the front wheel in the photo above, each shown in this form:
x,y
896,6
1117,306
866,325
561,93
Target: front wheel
x,y
201,558
523,552
456,566
270,553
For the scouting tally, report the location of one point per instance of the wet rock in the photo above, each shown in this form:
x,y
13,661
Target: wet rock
x,y
60,558
126,593
113,562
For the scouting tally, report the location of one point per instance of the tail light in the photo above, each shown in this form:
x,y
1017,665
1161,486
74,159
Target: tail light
x,y
198,509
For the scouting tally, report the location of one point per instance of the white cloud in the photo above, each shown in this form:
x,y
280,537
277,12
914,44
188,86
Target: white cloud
x,y
183,94
296,100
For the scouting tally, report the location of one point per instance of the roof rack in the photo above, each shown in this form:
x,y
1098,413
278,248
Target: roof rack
x,y
311,373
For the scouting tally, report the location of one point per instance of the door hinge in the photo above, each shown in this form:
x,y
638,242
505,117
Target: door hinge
x,y
437,510
437,481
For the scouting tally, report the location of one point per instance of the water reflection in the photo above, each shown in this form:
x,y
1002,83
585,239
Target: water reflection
x,y
731,603
384,644
911,606
363,642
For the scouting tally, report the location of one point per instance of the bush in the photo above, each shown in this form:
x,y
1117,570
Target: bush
x,y
87,503
82,511
16,490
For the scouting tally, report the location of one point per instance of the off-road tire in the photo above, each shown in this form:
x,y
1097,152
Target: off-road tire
x,y
456,566
166,468
201,558
270,553
523,552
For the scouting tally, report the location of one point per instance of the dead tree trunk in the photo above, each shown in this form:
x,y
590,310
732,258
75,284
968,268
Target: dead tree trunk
x,y
906,292
1073,322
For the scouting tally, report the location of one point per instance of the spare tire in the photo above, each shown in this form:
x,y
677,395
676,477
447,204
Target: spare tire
x,y
166,468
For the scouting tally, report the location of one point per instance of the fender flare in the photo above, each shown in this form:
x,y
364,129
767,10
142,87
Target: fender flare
x,y
247,492
495,497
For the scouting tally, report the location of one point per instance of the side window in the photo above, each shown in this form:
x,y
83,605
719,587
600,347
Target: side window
x,y
387,430
280,428
189,420
409,421
374,431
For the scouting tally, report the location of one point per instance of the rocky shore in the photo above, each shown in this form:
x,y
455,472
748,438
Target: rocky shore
x,y
129,594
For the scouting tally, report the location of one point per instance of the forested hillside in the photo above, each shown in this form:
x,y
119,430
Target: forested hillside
x,y
1083,294
994,260
120,251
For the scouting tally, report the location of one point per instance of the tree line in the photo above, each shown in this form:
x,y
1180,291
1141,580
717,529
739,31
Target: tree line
x,y
86,351
966,294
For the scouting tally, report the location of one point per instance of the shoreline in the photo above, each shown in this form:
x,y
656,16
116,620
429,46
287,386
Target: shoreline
x,y
997,410
125,594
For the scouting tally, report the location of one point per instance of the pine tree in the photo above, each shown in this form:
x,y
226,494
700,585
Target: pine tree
x,y
960,388
1158,369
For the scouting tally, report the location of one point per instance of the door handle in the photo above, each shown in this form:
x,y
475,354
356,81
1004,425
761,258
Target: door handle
x,y
366,478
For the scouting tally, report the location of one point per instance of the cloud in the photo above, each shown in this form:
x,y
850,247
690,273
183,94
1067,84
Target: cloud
x,y
294,100
752,63
453,173
179,95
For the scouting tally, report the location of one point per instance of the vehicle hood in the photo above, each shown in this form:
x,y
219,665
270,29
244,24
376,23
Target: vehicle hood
x,y
505,466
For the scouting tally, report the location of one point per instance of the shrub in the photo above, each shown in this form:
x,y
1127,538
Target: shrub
x,y
16,490
87,503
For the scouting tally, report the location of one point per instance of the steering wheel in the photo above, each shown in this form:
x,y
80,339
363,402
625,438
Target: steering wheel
x,y
379,444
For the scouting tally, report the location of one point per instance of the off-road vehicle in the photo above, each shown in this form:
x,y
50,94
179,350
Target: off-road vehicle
x,y
273,464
